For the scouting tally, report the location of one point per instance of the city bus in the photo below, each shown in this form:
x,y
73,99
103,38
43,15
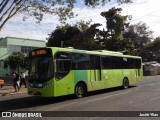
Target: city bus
x,y
55,71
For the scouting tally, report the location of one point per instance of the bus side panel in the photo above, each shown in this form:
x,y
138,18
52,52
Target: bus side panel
x,y
119,77
64,86
81,75
95,82
130,74
132,78
113,78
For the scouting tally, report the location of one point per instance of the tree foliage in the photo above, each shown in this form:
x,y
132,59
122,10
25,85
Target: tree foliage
x,y
80,36
94,3
140,35
16,60
37,8
115,25
154,49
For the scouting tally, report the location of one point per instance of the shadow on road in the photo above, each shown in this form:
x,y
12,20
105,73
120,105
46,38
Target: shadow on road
x,y
30,101
107,90
34,101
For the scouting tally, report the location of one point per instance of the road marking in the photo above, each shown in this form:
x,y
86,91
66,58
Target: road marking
x,y
153,99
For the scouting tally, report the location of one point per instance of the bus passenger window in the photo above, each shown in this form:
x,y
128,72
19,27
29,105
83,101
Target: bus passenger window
x,y
80,61
63,64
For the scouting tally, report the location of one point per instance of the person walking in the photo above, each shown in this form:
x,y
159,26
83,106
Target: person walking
x,y
22,76
16,82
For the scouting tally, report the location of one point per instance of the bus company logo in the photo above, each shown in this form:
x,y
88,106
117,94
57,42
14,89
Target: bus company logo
x,y
6,114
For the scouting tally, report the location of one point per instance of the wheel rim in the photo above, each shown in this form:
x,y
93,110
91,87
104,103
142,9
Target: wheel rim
x,y
126,83
79,91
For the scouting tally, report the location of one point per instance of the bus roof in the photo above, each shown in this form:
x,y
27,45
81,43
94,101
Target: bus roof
x,y
95,52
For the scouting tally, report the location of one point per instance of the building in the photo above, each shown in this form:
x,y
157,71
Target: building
x,y
9,45
151,68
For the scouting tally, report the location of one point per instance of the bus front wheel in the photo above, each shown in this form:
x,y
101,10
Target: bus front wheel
x,y
125,83
80,90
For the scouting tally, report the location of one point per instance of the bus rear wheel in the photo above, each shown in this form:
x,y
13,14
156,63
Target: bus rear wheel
x,y
125,83
80,90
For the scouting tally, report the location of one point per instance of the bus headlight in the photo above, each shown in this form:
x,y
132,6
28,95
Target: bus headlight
x,y
39,85
48,85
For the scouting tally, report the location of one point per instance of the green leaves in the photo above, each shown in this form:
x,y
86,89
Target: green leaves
x,y
80,36
15,60
154,48
94,3
38,8
113,37
83,35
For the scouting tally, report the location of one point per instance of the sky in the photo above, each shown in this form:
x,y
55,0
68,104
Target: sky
x,y
146,11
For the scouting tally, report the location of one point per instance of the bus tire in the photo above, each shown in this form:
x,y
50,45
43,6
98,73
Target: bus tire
x,y
80,90
125,83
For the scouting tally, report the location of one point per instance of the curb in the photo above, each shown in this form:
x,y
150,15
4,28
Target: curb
x,y
12,93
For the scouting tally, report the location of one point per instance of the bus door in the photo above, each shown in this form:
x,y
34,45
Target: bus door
x,y
95,71
62,69
138,69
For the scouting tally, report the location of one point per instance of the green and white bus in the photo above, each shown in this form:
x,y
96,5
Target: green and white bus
x,y
62,71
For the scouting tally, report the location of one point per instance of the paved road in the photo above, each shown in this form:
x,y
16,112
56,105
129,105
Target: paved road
x,y
143,97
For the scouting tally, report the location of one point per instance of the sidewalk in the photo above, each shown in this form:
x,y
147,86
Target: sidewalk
x,y
9,90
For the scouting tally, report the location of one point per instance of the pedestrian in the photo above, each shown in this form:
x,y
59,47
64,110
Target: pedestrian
x,y
22,77
16,82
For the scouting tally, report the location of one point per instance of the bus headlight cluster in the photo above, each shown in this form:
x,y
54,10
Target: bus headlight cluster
x,y
43,86
48,85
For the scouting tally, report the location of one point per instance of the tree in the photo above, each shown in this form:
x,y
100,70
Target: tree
x,y
86,39
62,34
140,35
16,60
116,24
94,3
80,36
37,8
154,49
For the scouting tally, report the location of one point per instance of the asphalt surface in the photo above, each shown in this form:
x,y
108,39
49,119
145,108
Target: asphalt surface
x,y
113,104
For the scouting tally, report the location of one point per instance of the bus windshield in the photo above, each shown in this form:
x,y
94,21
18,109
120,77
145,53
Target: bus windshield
x,y
41,69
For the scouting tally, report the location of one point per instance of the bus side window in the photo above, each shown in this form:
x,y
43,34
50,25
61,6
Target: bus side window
x,y
80,61
63,64
138,63
107,62
94,62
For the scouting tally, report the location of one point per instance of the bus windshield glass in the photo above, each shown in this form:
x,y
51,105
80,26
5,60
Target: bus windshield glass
x,y
41,69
